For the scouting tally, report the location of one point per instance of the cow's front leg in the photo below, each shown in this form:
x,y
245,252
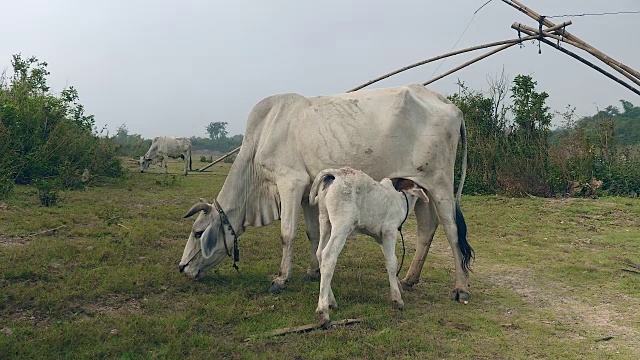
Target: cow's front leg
x,y
166,164
290,198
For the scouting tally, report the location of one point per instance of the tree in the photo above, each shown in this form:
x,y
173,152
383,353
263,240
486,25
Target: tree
x,y
217,130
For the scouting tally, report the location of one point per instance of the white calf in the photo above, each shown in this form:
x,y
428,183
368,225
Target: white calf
x,y
351,200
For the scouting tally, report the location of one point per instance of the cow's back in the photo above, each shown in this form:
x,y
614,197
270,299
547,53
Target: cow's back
x,y
395,132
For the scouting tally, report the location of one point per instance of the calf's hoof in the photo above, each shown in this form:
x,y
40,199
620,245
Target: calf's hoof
x,y
460,295
323,319
397,304
275,288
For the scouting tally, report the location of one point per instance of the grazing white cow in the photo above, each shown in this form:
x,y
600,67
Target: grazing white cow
x,y
351,200
404,132
165,147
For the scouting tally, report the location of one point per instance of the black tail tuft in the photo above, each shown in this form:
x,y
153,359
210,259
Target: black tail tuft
x,y
327,181
465,248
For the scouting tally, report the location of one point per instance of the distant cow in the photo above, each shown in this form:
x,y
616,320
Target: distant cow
x,y
165,147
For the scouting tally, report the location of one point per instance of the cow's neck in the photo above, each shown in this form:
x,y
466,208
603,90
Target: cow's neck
x,y
250,198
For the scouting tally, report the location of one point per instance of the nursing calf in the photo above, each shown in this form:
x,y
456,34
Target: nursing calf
x,y
349,200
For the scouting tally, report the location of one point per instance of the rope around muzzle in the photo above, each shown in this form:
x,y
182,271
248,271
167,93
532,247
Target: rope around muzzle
x,y
406,215
224,220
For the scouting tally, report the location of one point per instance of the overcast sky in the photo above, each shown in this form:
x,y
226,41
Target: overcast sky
x,y
170,67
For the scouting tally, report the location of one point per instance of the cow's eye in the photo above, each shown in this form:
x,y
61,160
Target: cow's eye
x,y
198,234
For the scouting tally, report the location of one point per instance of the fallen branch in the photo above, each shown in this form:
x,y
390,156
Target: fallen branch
x,y
125,228
52,231
310,327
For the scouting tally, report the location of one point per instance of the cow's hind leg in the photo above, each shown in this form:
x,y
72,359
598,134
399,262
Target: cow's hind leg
x,y
455,229
290,199
312,225
427,219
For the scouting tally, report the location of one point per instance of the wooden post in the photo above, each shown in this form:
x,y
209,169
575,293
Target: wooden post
x,y
600,55
586,62
489,54
611,62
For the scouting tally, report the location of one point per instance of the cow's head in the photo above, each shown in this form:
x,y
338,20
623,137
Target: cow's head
x,y
144,163
205,247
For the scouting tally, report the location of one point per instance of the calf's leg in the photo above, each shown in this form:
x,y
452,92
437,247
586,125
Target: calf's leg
x,y
388,246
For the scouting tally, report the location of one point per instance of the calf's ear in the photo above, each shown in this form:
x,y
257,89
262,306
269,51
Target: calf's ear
x,y
419,192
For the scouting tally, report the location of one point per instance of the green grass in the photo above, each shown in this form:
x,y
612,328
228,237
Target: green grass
x,y
547,283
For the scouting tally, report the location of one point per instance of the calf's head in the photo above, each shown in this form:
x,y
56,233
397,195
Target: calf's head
x,y
206,245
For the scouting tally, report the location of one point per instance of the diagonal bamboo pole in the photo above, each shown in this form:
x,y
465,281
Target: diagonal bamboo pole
x,y
537,17
613,63
586,62
503,47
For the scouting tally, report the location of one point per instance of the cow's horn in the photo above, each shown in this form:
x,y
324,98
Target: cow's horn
x,y
201,206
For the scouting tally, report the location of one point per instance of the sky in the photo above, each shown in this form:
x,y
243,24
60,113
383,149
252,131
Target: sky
x,y
171,67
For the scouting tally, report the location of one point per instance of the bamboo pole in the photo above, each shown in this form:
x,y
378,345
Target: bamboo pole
x,y
586,62
503,47
613,63
457,52
490,53
484,46
222,158
537,17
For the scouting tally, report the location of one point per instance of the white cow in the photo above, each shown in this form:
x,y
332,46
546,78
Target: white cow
x,y
405,132
165,147
351,200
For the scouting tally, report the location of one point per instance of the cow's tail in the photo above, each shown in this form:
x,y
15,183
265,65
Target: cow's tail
x,y
465,249
190,161
325,177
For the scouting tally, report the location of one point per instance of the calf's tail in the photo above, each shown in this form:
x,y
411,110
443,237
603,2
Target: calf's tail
x,y
325,177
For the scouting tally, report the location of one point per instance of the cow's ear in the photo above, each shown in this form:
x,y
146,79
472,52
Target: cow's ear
x,y
208,242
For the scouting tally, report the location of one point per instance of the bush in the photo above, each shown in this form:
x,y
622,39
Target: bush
x,y
47,139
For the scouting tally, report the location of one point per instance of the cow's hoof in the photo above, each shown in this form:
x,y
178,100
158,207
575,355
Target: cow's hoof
x,y
407,286
323,319
333,306
460,295
397,304
312,275
275,288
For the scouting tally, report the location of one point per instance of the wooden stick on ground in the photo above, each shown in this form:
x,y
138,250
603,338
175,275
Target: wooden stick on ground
x,y
310,327
46,232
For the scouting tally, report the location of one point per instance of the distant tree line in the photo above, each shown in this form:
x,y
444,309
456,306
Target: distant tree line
x,y
513,151
134,145
47,139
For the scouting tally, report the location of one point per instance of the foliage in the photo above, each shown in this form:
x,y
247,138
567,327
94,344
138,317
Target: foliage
x,y
217,130
43,136
591,148
223,145
506,157
626,122
48,191
524,157
129,145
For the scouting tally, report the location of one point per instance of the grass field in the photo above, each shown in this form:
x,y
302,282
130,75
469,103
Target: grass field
x,y
548,282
